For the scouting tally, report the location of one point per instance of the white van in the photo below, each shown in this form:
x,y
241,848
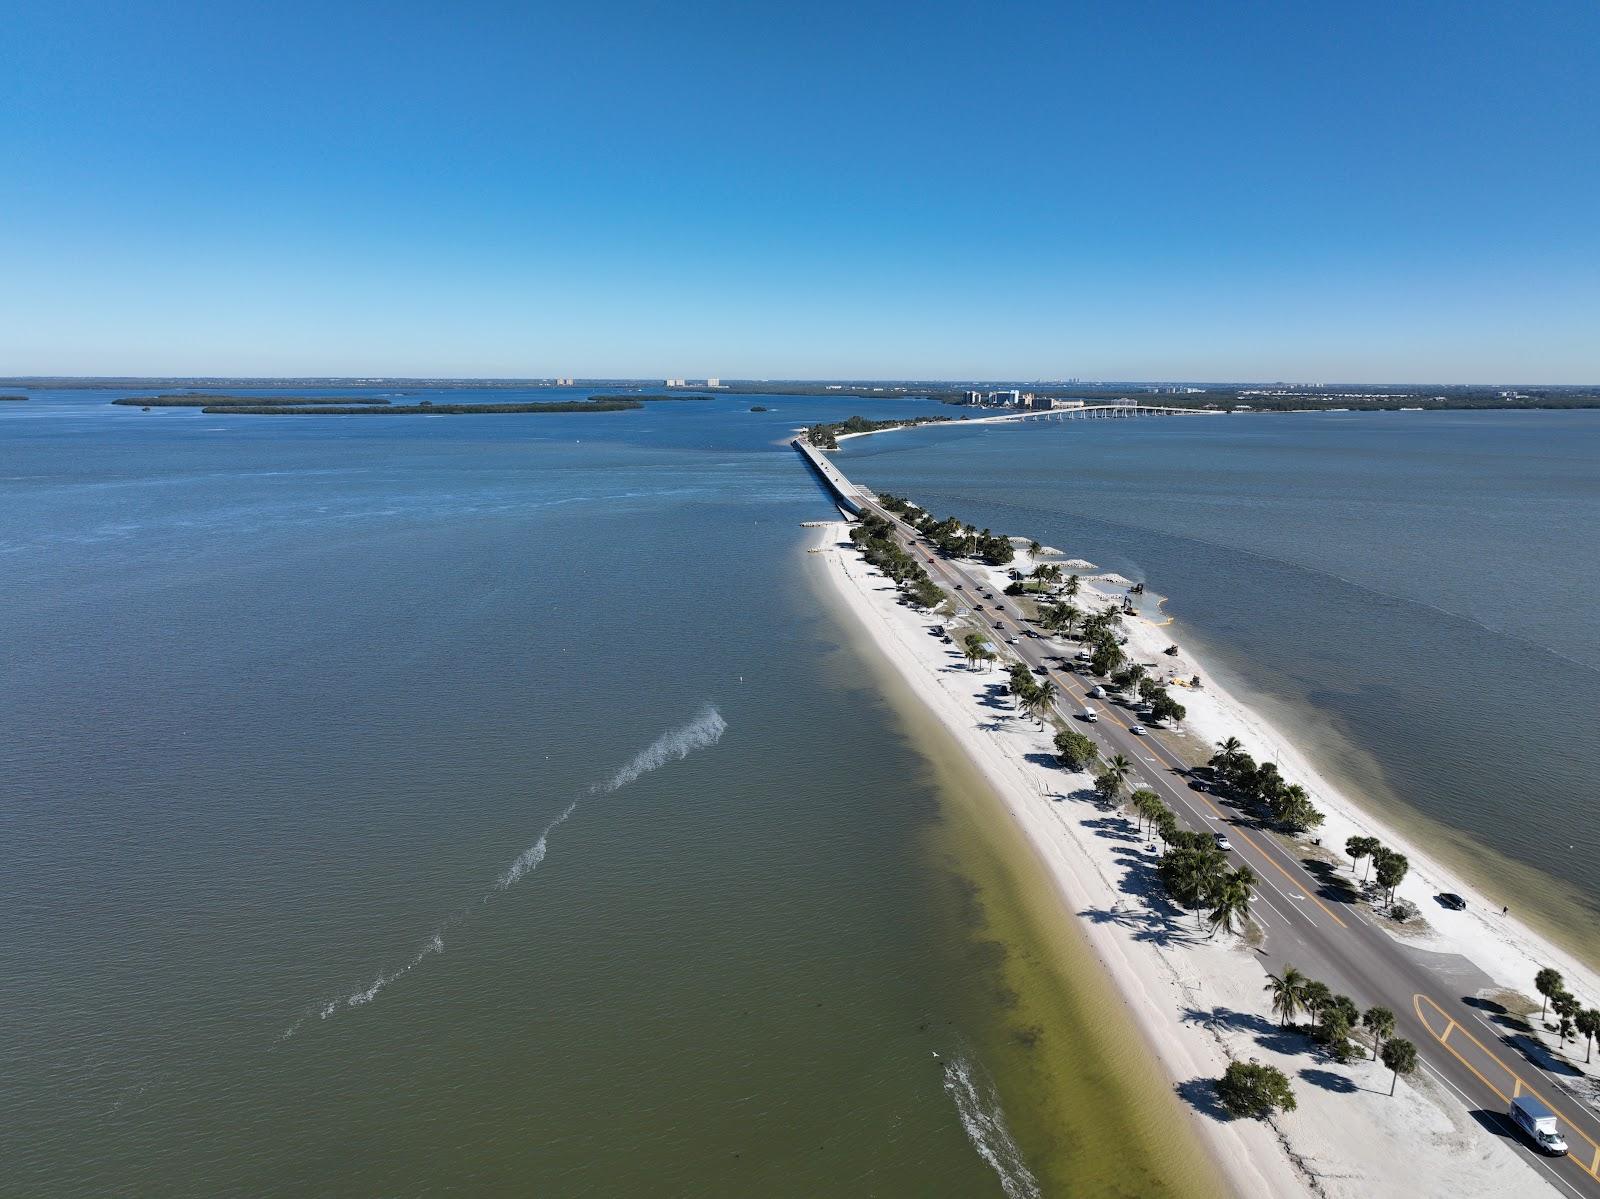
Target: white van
x,y
1090,715
1539,1124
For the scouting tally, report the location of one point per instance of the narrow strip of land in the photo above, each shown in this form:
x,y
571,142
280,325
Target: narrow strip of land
x,y
1317,928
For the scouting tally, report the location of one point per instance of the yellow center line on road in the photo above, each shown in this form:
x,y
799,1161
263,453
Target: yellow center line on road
x,y
1518,1083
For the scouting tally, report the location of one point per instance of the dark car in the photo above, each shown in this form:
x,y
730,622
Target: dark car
x,y
1453,901
998,625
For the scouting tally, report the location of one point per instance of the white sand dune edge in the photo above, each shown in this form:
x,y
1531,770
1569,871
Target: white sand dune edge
x,y
1340,1142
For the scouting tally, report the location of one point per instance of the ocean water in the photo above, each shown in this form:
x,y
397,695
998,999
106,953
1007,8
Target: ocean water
x,y
398,805
1412,593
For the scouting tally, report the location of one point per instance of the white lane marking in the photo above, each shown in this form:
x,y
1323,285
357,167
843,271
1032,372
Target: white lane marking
x,y
1274,908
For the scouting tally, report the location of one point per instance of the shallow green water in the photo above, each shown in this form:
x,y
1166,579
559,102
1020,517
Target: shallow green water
x,y
398,805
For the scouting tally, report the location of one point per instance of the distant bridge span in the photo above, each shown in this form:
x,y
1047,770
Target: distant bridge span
x,y
1097,412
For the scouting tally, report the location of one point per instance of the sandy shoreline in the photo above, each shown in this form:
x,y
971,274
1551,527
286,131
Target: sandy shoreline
x,y
1348,1137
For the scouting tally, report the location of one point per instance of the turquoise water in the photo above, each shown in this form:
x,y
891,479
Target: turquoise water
x,y
395,805
1414,593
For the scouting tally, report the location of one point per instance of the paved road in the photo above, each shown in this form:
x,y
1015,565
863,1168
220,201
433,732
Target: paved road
x,y
1308,923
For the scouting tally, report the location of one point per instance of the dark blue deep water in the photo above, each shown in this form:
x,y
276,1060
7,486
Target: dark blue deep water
x,y
1414,594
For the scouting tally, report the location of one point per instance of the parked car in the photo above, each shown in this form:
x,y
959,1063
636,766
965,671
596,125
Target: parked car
x,y
1453,901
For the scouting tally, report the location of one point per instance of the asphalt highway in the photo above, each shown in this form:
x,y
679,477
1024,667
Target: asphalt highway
x,y
1306,922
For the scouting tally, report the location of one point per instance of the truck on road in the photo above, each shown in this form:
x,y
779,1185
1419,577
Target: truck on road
x,y
1538,1123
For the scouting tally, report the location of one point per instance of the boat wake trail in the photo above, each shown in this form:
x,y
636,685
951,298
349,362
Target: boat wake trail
x,y
534,854
985,1125
435,944
703,731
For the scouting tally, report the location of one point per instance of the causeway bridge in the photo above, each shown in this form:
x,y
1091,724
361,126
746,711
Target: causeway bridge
x,y
1095,412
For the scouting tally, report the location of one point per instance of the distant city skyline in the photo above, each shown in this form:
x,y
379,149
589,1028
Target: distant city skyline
x,y
628,189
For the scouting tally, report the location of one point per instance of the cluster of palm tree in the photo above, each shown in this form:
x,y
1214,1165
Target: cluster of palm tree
x,y
1335,1017
1100,634
874,536
975,648
1389,865
1573,1017
1263,786
827,436
953,537
1032,696
1060,619
1196,875
1134,680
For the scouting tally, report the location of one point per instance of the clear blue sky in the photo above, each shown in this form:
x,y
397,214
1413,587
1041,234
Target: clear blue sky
x,y
1274,190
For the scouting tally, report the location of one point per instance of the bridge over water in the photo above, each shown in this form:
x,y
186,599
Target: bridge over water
x,y
1098,412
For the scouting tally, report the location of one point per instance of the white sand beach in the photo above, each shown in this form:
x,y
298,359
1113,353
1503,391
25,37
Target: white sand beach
x,y
1348,1137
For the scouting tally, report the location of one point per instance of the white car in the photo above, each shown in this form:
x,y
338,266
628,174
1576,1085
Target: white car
x,y
1137,730
1090,715
1097,693
1225,845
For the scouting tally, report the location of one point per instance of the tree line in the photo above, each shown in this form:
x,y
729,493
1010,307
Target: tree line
x,y
1574,1018
1261,785
1098,630
826,437
874,537
1252,1089
953,538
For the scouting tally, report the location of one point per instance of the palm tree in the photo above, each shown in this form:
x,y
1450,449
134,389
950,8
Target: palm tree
x,y
1379,1021
1361,847
1287,991
1228,752
1400,1056
1118,767
1316,996
1233,901
1146,804
1548,982
1041,699
1588,1022
1392,869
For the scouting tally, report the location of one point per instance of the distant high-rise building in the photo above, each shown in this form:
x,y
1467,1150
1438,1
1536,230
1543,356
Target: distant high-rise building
x,y
710,383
